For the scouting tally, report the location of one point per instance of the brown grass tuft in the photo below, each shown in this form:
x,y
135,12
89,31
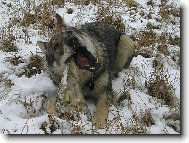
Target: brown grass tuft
x,y
8,46
15,60
35,66
158,86
147,38
147,119
174,41
131,3
107,15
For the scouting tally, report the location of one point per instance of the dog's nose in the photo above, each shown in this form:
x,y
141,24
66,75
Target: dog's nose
x,y
72,41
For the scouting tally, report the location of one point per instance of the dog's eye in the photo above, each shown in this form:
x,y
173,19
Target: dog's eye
x,y
69,32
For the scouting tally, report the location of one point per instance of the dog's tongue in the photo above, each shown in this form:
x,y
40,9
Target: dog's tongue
x,y
84,61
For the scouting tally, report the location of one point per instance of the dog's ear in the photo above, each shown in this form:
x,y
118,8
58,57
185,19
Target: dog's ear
x,y
42,45
60,24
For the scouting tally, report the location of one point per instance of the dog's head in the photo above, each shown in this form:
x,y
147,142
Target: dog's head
x,y
67,43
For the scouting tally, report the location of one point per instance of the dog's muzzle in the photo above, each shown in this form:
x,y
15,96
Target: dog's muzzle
x,y
83,58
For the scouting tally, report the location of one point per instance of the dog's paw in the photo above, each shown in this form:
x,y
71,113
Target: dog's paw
x,y
51,108
79,106
99,121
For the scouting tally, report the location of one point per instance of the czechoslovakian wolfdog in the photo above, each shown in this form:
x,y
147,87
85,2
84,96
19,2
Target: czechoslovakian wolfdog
x,y
94,52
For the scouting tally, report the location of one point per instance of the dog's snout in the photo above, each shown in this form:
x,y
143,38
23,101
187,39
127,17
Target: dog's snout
x,y
72,41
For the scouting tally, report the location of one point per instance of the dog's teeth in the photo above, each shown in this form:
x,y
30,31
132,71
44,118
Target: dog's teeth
x,y
92,68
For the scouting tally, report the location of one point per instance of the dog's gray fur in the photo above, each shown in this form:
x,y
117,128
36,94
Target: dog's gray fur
x,y
110,49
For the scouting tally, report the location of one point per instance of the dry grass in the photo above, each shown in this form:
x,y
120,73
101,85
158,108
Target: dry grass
x,y
15,60
7,41
8,46
150,2
162,48
146,52
131,3
159,87
35,66
4,81
50,126
174,41
147,38
147,119
151,26
107,15
167,10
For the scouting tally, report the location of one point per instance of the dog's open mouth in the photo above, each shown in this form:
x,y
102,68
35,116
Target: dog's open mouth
x,y
84,59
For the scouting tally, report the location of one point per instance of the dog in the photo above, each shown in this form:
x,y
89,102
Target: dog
x,y
94,53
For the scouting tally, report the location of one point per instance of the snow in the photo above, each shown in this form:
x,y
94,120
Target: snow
x,y
23,100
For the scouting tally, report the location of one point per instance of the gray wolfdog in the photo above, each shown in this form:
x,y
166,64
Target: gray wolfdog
x,y
94,52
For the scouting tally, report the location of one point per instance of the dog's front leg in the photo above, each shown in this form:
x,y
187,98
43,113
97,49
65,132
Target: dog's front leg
x,y
102,109
103,94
